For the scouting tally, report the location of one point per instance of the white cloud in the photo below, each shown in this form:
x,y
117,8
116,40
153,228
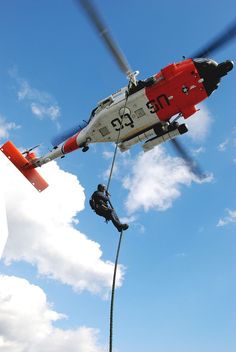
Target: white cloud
x,y
133,221
6,127
181,255
228,219
122,161
199,150
43,230
41,111
3,222
26,322
42,104
128,219
155,180
108,154
222,146
199,124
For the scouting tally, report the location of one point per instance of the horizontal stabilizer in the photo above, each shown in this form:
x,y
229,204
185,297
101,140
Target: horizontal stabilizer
x,y
23,165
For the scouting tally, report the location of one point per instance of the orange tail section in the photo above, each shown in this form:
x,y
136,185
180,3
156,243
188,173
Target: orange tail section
x,y
24,166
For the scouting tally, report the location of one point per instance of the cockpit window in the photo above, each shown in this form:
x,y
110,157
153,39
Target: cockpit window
x,y
92,114
205,60
201,59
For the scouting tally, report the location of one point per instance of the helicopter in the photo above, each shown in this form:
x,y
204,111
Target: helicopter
x,y
146,111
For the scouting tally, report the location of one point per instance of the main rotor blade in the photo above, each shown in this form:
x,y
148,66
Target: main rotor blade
x,y
58,139
224,38
100,26
190,162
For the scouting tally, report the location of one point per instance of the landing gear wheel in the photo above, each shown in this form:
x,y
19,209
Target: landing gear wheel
x,y
173,126
85,146
85,149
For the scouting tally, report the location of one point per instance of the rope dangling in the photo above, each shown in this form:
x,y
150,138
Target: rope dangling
x,y
113,293
121,233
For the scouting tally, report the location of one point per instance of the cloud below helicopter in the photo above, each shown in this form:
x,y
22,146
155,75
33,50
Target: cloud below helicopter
x,y
154,179
199,124
27,322
43,230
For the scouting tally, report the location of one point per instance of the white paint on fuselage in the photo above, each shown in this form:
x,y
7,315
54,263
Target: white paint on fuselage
x,y
108,119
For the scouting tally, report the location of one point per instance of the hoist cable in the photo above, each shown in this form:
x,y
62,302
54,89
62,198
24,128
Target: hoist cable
x,y
113,293
118,137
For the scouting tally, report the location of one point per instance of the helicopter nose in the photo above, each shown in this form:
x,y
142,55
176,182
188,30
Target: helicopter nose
x,y
224,67
211,72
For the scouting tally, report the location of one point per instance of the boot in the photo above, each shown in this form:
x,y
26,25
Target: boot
x,y
124,226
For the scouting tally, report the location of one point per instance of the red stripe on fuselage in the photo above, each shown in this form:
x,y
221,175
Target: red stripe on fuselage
x,y
71,144
169,97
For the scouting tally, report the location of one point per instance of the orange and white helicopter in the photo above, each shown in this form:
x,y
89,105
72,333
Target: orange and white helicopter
x,y
146,111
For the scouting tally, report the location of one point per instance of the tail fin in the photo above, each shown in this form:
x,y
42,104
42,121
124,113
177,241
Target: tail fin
x,y
24,166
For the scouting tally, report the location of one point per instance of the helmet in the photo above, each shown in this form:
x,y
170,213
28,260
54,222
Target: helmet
x,y
101,187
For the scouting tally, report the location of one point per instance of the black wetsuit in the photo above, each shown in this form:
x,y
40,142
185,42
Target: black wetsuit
x,y
102,208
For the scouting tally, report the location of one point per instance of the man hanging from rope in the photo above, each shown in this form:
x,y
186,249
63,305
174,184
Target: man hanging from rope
x,y
100,203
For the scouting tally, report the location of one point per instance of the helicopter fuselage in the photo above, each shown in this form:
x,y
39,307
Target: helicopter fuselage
x,y
145,112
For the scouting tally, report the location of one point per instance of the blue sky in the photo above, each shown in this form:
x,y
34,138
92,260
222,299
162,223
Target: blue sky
x,y
177,265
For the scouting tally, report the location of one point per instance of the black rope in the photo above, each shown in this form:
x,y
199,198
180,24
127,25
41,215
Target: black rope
x,y
121,233
118,137
113,293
